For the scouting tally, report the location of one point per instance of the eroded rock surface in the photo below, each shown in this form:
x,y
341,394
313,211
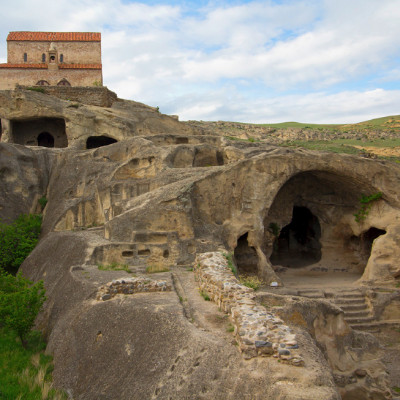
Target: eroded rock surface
x,y
162,193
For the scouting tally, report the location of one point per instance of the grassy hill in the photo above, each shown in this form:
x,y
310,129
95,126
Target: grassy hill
x,y
379,137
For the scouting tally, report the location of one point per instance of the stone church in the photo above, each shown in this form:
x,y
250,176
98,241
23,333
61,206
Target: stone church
x,y
52,59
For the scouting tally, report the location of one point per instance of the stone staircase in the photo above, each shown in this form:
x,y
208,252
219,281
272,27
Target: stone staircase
x,y
356,311
351,300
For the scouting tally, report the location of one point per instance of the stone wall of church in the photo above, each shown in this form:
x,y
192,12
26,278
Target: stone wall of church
x,y
10,77
73,52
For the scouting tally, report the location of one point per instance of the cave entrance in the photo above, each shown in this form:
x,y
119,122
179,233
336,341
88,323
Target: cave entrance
x,y
45,139
46,132
298,242
363,244
245,257
99,141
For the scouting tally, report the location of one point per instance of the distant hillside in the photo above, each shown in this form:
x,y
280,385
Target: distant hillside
x,y
379,137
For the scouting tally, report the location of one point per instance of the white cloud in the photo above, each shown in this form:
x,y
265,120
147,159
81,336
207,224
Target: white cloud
x,y
244,61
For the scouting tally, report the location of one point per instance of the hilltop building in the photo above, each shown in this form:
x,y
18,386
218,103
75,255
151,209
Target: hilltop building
x,y
52,59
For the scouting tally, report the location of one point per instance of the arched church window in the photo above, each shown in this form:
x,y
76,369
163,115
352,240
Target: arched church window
x,y
63,82
42,82
43,58
25,57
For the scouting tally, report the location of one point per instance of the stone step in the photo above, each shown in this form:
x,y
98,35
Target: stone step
x,y
355,314
340,302
366,327
353,307
349,296
357,320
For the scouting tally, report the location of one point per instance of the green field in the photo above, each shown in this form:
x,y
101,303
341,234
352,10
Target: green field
x,y
383,123
25,373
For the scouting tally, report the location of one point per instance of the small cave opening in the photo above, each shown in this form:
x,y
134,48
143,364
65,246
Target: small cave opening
x,y
298,242
245,257
94,142
363,244
45,139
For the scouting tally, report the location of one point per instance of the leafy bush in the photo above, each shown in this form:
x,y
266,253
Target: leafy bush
x,y
20,302
42,202
366,204
17,240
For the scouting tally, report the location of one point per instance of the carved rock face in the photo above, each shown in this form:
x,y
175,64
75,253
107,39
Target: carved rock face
x,y
159,195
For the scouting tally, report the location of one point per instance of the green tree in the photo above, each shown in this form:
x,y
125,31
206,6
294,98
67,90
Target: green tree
x,y
20,302
17,240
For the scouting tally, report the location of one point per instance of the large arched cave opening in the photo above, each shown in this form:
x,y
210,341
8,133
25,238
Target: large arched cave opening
x,y
308,226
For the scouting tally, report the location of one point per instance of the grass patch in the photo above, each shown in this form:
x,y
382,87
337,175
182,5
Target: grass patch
x,y
231,264
36,89
396,389
25,373
205,295
154,269
114,267
230,328
250,281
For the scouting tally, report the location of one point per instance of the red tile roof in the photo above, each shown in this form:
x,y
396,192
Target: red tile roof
x,y
79,66
25,66
55,36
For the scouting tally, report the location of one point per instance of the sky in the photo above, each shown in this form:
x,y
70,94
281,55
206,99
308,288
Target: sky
x,y
315,61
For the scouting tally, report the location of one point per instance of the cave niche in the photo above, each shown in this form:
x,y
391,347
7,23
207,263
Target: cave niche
x,y
245,257
45,139
45,132
362,245
94,142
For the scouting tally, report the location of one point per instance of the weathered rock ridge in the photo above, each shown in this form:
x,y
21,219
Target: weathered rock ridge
x,y
149,191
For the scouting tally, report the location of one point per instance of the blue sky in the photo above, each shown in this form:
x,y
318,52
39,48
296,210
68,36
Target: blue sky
x,y
317,61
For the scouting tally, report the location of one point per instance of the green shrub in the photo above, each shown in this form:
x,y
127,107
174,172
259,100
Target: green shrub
x,y
42,202
366,204
205,295
17,240
36,89
20,302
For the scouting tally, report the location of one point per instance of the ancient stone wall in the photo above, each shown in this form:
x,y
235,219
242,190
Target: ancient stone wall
x,y
94,96
258,332
10,77
131,286
73,52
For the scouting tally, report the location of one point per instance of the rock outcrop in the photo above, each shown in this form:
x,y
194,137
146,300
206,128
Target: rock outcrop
x,y
160,193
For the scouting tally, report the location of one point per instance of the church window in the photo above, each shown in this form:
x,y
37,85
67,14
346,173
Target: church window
x,y
25,57
63,82
61,58
43,58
